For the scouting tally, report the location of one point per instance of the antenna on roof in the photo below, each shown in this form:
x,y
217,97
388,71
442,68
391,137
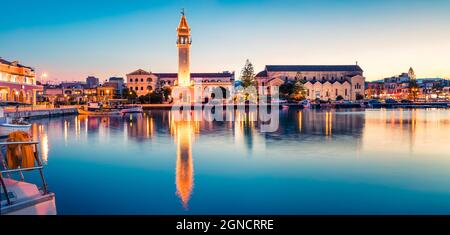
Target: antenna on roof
x,y
356,62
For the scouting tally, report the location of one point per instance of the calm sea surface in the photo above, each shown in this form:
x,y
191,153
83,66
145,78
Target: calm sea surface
x,y
318,162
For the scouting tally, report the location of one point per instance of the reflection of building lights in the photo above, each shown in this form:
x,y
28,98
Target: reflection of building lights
x,y
44,148
328,123
66,126
300,116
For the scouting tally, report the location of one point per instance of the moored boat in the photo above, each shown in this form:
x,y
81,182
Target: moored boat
x,y
305,103
6,128
131,109
8,125
99,112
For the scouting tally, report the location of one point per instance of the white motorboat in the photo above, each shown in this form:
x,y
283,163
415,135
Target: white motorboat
x,y
19,197
6,128
8,125
131,109
99,112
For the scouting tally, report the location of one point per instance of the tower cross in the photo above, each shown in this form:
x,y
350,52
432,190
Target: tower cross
x,y
182,11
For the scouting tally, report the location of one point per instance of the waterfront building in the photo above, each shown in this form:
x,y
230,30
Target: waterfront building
x,y
374,90
325,82
399,87
77,93
143,82
92,82
117,82
17,82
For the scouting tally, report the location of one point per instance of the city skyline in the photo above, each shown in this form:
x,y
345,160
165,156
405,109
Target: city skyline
x,y
72,41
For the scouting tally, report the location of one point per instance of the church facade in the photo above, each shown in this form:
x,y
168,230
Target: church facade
x,y
144,82
325,82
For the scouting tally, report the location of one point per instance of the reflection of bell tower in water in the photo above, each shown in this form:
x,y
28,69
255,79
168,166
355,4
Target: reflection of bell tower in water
x,y
184,165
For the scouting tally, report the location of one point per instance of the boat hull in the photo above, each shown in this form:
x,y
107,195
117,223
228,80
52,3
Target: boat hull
x,y
27,200
98,113
137,109
6,128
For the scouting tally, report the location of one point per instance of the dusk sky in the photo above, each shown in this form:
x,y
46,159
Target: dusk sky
x,y
71,40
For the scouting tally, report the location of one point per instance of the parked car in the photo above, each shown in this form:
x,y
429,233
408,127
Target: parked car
x,y
390,101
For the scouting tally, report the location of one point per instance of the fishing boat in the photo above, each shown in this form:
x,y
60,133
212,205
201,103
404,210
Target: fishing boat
x,y
6,128
18,196
8,125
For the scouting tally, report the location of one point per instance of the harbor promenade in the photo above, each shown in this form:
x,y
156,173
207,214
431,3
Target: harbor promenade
x,y
43,111
39,112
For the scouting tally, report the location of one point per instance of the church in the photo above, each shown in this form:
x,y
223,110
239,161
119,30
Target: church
x,y
144,82
325,82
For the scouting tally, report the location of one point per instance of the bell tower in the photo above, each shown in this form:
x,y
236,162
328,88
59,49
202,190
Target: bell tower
x,y
184,43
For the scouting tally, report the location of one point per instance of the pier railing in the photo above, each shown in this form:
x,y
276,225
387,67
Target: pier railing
x,y
6,171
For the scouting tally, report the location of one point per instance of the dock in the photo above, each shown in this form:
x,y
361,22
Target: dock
x,y
41,112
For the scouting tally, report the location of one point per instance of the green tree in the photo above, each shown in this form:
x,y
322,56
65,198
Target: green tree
x,y
167,91
298,91
286,90
129,94
293,91
248,74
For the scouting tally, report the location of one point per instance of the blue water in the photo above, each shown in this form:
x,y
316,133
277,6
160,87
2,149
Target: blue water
x,y
318,162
